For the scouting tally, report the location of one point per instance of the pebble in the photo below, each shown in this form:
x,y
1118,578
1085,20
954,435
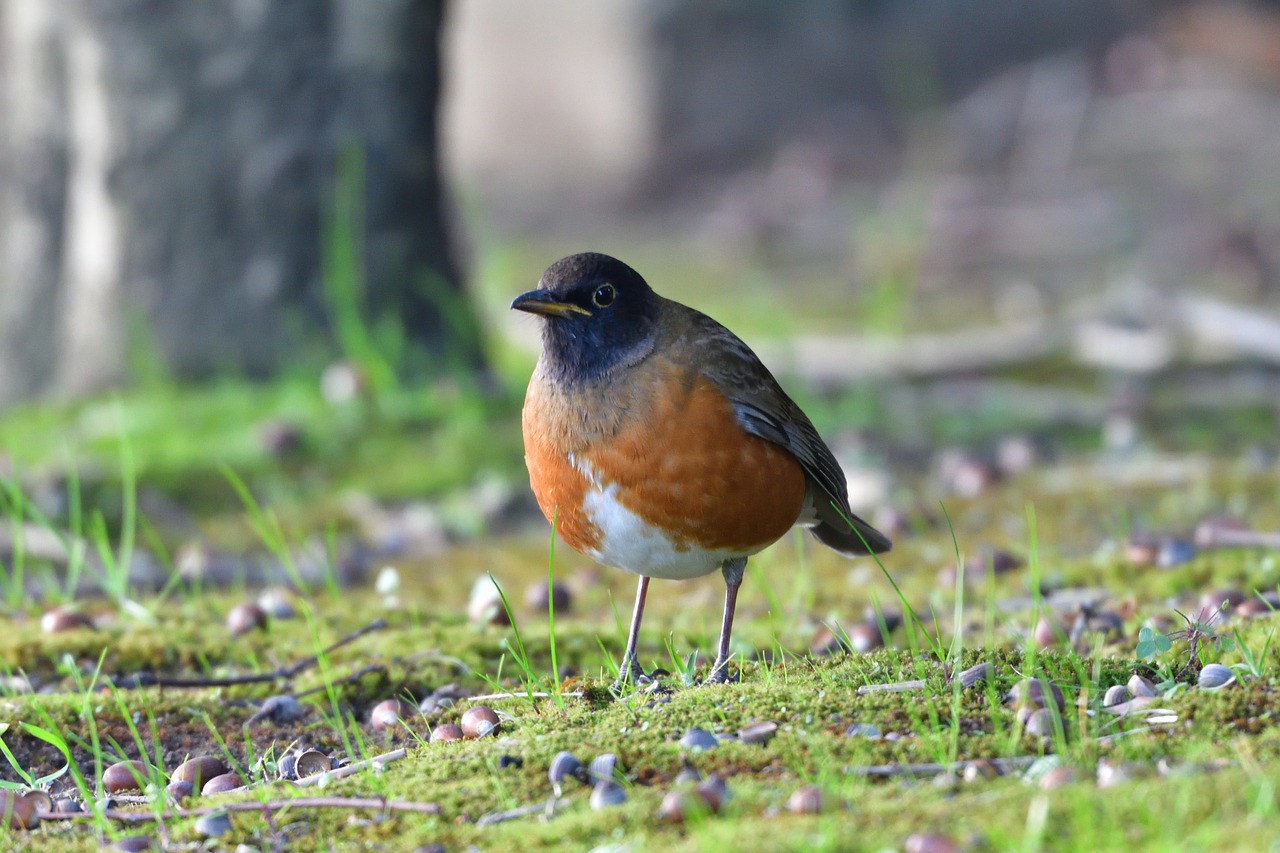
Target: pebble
x,y
607,793
199,770
699,740
213,825
125,776
479,721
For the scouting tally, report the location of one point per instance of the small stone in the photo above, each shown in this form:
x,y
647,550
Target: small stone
x,y
761,732
446,732
713,791
1174,552
1220,600
603,768
479,721
222,784
677,806
278,603
213,825
1035,693
981,769
1214,676
388,714
66,805
688,775
442,699
606,794
1117,694
513,761
134,844
244,618
699,740
537,600
180,791
1057,777
1110,775
39,800
866,730
125,776
565,766
975,675
930,842
1140,687
281,710
806,800
1041,723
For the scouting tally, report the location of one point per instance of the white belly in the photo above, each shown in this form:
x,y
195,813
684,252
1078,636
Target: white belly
x,y
630,543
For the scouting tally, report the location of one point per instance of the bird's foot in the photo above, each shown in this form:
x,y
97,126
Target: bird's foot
x,y
629,681
721,674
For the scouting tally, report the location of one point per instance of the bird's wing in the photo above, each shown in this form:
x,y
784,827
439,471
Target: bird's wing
x,y
764,409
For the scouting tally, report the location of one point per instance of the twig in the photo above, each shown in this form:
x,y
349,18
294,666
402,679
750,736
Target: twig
x,y
894,687
495,697
547,809
933,769
268,806
284,673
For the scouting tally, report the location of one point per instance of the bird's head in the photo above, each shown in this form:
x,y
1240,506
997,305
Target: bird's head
x,y
598,313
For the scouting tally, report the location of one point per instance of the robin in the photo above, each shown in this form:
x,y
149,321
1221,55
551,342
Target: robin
x,y
658,443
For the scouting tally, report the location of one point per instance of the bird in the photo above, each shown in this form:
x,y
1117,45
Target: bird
x,y
658,443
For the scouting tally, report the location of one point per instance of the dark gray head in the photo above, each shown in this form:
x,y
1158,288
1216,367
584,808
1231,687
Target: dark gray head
x,y
597,313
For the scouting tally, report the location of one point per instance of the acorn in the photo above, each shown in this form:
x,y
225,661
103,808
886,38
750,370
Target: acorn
x,y
125,776
312,762
537,600
806,800
64,619
479,721
244,618
388,714
446,732
221,784
17,811
198,770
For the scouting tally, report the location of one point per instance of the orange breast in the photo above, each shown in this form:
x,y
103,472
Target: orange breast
x,y
671,445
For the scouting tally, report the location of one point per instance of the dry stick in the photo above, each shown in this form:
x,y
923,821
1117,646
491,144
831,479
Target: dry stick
x,y
268,806
494,697
933,769
547,809
894,687
282,674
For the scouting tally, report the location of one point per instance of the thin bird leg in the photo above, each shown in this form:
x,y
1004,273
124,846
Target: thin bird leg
x,y
732,571
631,671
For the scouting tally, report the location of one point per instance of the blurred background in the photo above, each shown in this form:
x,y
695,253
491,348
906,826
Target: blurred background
x,y
279,239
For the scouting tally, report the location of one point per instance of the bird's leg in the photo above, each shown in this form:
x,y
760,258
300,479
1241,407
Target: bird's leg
x,y
630,673
732,571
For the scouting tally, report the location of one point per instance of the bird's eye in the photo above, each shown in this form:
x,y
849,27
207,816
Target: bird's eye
x,y
604,296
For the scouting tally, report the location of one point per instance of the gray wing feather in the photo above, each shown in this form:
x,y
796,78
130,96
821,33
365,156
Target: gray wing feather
x,y
765,410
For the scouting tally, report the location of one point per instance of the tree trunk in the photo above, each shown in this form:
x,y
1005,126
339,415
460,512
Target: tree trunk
x,y
170,168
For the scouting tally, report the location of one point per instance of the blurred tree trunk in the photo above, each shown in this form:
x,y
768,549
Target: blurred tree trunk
x,y
168,174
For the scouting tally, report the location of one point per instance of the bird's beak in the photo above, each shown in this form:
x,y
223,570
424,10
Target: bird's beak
x,y
546,303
